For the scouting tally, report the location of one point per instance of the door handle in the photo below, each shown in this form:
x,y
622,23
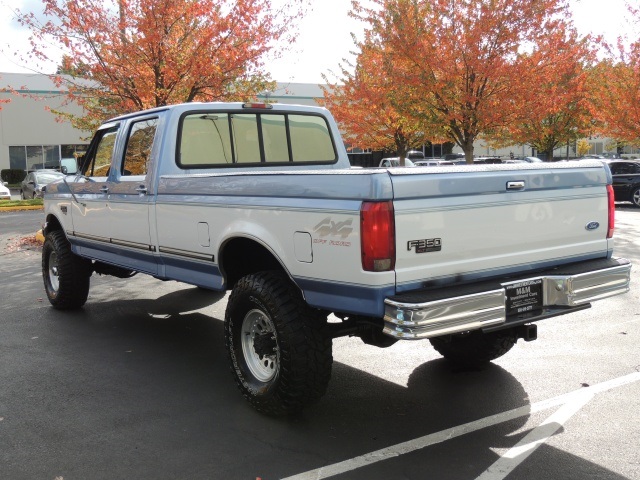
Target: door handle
x,y
518,185
104,189
141,189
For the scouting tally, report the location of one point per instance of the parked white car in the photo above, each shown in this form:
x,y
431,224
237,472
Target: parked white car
x,y
5,193
395,162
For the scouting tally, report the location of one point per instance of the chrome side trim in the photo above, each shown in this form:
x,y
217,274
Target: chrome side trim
x,y
115,241
141,246
485,309
188,254
91,237
138,246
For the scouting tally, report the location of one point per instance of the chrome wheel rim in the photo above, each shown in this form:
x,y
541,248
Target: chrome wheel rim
x,y
636,197
54,280
258,330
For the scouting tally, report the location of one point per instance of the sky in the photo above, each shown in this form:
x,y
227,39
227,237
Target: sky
x,y
324,38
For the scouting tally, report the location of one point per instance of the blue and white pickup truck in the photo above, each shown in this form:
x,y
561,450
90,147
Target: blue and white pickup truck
x,y
261,200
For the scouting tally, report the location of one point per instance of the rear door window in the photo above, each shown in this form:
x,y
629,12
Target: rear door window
x,y
138,150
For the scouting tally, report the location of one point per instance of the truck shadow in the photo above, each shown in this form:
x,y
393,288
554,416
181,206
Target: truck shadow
x,y
143,390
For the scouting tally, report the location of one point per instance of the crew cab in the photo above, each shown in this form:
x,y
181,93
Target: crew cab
x,y
261,200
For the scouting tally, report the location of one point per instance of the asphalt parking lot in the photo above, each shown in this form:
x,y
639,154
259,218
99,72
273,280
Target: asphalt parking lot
x,y
136,386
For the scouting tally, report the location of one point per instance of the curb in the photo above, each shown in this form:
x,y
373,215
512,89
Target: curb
x,y
17,209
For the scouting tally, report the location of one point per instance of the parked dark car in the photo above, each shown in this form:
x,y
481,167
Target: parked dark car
x,y
487,160
32,184
626,180
415,155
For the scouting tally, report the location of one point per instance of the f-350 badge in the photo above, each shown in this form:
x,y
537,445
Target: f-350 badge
x,y
425,245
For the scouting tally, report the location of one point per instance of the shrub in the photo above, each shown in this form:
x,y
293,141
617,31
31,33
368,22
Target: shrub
x,y
12,175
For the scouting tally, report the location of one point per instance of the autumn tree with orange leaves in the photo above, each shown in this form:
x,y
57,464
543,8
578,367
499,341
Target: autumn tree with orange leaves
x,y
557,104
365,103
616,89
462,60
127,55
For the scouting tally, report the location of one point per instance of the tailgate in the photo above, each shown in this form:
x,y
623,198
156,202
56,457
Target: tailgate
x,y
473,222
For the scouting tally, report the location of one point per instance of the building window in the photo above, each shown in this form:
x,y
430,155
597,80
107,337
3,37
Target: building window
x,y
18,158
357,151
51,155
35,157
597,147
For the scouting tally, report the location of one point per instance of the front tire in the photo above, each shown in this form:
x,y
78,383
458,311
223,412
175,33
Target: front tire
x,y
66,275
278,347
474,348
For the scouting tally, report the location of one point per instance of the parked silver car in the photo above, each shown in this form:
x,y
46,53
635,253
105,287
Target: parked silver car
x,y
32,184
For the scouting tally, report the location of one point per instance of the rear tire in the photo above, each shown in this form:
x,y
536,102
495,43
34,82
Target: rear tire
x,y
474,348
66,275
278,347
635,197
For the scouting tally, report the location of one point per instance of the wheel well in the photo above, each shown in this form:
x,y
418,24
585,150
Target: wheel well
x,y
242,256
52,224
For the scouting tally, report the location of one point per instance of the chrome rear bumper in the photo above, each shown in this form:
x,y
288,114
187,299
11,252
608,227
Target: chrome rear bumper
x,y
563,291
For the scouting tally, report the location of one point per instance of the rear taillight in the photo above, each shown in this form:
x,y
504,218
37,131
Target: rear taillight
x,y
377,233
612,211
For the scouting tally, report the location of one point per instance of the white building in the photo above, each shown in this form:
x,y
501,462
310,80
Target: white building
x,y
32,136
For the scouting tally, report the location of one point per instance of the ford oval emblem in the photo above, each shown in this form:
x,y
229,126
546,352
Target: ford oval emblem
x,y
592,225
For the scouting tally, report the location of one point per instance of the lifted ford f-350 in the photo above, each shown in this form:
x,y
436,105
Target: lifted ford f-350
x,y
261,200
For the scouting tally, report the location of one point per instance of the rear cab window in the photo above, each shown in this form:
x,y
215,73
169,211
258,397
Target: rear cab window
x,y
218,139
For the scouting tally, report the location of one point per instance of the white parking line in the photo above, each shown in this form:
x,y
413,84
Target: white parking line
x,y
570,403
536,437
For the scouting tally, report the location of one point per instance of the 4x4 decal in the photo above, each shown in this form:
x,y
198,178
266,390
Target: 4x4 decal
x,y
328,227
